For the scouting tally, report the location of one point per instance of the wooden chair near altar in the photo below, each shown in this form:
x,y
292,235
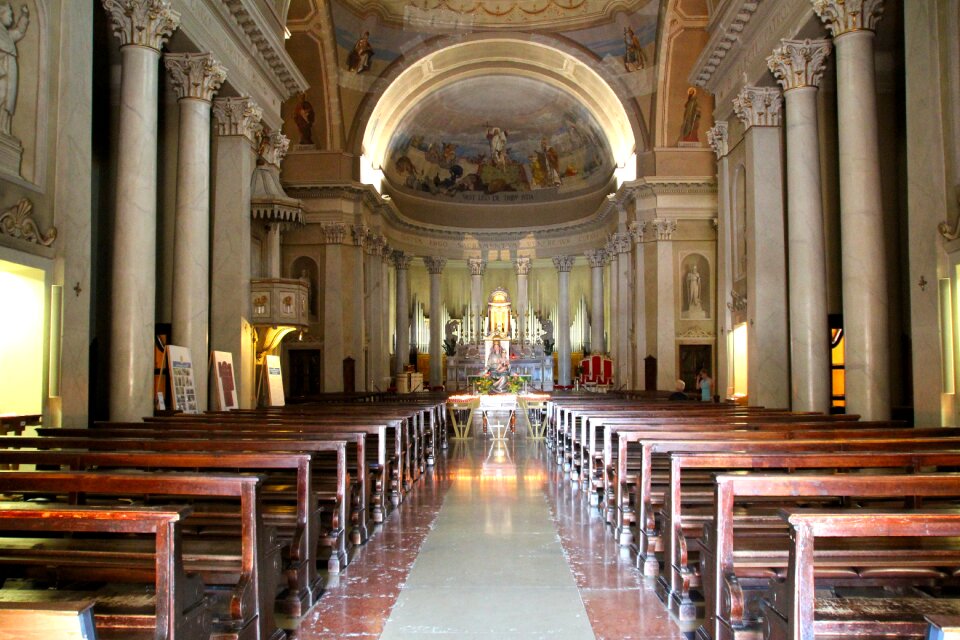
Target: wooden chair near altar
x,y
596,372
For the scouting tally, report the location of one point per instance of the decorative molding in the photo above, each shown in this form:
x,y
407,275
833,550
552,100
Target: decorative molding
x,y
17,222
596,258
477,266
333,233
737,302
195,75
664,228
846,16
697,333
726,38
522,265
401,260
238,117
758,106
564,264
637,230
799,63
434,264
145,23
717,137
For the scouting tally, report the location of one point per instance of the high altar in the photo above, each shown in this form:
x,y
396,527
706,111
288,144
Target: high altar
x,y
521,340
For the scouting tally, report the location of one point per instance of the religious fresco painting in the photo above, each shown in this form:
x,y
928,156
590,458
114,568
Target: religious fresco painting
x,y
465,142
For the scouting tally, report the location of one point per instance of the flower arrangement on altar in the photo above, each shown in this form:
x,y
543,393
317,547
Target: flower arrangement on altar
x,y
515,383
484,384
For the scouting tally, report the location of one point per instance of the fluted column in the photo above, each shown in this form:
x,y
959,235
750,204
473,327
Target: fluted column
x,y
663,229
596,258
522,266
435,265
798,65
865,300
402,264
196,77
768,367
717,138
334,294
621,245
477,266
142,27
564,265
238,130
639,305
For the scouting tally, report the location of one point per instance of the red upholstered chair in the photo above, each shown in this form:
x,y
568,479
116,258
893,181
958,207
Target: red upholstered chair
x,y
596,370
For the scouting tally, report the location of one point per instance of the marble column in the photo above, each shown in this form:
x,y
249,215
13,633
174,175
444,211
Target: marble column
x,y
597,259
663,229
477,267
334,295
564,265
863,263
386,260
373,309
717,138
142,27
522,266
612,320
639,306
623,365
196,77
798,65
435,265
768,367
402,264
238,130
355,326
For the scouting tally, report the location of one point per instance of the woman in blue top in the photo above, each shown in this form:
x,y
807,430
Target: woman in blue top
x,y
704,383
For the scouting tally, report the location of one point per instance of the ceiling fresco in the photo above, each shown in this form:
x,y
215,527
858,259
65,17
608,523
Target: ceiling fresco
x,y
498,139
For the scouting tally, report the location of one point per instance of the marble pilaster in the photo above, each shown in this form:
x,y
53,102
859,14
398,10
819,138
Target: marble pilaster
x,y
767,344
597,259
477,267
798,65
623,365
564,265
522,267
639,305
384,371
334,292
435,266
373,310
613,285
354,307
717,137
666,304
196,77
865,291
402,264
142,27
238,128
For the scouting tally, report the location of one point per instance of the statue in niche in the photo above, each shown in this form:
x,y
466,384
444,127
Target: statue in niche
x,y
695,280
361,57
304,118
693,288
10,34
690,129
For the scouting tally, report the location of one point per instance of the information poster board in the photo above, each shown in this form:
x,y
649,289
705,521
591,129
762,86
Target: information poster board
x,y
275,396
224,381
183,390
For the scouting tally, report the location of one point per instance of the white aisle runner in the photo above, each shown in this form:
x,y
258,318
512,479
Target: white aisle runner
x,y
493,566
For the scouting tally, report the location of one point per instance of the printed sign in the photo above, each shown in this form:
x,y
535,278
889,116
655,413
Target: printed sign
x,y
275,396
182,387
225,381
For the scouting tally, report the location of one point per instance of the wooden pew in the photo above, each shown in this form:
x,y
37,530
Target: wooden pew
x,y
179,610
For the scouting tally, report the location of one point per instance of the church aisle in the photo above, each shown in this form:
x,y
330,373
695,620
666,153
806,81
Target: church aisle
x,y
491,545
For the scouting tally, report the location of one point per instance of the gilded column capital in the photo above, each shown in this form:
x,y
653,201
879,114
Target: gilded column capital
x,y
596,258
758,106
637,229
401,260
522,265
717,138
333,233
564,264
238,117
144,23
846,16
195,75
799,63
664,228
477,266
435,264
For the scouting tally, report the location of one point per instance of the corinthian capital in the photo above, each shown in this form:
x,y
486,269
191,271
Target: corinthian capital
x,y
435,264
477,266
717,138
274,148
401,260
359,233
596,258
146,23
664,228
620,242
333,233
758,106
522,265
799,63
844,16
637,228
195,75
564,264
238,117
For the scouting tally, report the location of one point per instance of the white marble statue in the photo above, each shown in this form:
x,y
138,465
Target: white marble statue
x,y
10,34
693,288
451,330
547,325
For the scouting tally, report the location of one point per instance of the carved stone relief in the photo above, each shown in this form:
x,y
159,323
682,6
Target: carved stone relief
x,y
17,222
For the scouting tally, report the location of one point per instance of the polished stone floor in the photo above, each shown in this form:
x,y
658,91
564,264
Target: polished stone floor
x,y
491,544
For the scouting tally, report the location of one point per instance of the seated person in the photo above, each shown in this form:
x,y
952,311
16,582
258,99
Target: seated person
x,y
679,394
498,366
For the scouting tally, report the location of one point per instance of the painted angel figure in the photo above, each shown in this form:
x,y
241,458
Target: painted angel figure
x,y
10,34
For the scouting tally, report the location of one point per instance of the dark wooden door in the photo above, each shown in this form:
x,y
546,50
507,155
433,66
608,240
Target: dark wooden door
x,y
305,372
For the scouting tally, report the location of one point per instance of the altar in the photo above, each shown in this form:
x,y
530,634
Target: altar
x,y
530,408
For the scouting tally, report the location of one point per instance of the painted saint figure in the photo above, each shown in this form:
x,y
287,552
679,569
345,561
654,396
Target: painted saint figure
x,y
690,129
10,35
361,57
633,59
550,163
304,119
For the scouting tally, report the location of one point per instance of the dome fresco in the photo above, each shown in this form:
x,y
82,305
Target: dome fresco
x,y
467,142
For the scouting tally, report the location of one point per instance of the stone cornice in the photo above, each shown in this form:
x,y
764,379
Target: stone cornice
x,y
799,63
195,75
144,23
725,37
